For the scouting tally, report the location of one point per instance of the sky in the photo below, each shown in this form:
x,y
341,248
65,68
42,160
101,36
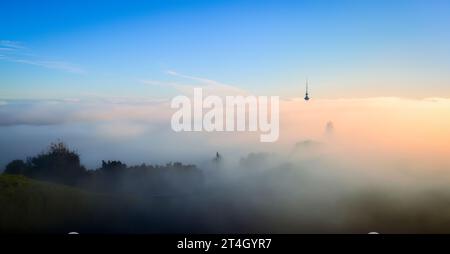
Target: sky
x,y
99,75
131,49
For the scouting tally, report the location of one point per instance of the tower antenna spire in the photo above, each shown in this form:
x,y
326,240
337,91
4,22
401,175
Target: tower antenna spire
x,y
306,95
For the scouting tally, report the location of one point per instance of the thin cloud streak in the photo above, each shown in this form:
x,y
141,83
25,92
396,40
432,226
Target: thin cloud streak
x,y
209,86
11,45
56,65
201,80
13,51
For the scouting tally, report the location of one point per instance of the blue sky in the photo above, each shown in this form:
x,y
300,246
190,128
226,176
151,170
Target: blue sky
x,y
77,49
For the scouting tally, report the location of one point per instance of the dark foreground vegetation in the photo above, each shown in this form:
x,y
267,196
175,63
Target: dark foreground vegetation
x,y
29,206
53,192
61,165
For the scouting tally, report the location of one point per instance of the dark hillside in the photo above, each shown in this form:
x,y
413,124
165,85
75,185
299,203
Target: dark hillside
x,y
30,206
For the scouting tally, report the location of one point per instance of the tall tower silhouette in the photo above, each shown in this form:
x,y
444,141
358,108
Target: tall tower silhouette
x,y
306,95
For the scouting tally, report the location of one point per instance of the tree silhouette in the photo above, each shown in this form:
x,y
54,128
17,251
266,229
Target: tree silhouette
x,y
61,165
16,167
58,164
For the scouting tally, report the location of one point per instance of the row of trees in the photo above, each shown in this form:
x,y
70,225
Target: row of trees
x,y
59,164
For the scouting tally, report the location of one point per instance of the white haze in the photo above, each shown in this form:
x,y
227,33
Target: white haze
x,y
361,165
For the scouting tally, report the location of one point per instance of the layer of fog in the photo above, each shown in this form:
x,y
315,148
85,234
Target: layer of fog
x,y
340,166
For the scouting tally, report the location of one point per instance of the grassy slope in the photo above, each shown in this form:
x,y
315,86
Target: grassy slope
x,y
29,206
